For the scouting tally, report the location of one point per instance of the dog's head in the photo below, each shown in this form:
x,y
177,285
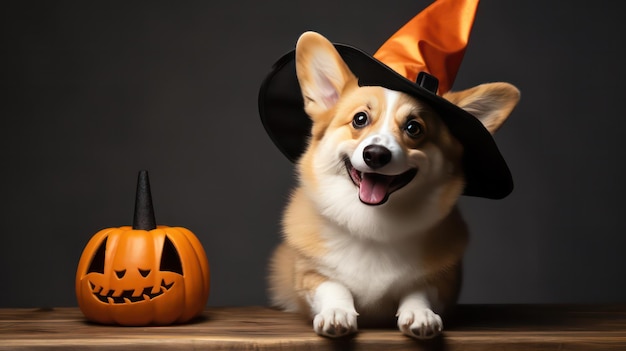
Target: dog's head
x,y
381,146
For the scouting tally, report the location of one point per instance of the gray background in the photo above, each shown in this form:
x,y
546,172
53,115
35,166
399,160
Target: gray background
x,y
93,91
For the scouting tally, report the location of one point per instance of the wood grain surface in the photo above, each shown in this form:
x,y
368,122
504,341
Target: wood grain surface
x,y
474,327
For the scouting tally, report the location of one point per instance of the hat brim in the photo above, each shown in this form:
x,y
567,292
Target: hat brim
x,y
281,108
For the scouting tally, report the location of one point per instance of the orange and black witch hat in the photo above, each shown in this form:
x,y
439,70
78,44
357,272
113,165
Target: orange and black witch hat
x,y
420,59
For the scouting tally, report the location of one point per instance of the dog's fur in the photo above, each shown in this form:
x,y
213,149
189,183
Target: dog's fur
x,y
375,251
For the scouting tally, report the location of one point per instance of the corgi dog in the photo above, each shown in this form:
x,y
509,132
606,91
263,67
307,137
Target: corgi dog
x,y
372,232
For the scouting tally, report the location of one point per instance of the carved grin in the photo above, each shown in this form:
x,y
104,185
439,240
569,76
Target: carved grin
x,y
375,188
127,295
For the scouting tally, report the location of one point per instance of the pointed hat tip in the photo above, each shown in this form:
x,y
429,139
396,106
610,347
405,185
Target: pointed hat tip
x,y
433,41
143,218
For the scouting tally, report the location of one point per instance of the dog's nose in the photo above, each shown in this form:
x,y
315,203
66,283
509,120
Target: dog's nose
x,y
376,156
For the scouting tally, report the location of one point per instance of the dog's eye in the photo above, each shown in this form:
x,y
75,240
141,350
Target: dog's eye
x,y
414,128
360,120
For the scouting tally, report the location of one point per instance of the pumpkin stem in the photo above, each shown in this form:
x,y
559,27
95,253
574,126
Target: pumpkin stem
x,y
144,212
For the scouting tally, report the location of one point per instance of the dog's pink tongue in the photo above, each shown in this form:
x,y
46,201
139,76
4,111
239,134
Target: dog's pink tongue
x,y
374,187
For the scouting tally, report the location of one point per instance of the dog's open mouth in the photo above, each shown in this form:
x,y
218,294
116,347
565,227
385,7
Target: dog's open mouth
x,y
375,188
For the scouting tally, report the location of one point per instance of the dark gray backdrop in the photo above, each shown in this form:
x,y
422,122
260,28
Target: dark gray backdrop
x,y
93,91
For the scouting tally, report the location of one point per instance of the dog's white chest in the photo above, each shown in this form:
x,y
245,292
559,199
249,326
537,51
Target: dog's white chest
x,y
371,270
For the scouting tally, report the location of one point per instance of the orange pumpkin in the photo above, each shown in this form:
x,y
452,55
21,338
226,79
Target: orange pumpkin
x,y
143,274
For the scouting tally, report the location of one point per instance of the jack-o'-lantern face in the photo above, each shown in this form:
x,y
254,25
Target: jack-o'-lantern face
x,y
140,277
136,281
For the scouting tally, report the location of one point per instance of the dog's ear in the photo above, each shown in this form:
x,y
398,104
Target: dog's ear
x,y
321,72
491,103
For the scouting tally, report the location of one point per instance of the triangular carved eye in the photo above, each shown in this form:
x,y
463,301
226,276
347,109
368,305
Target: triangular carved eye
x,y
120,274
170,259
97,262
144,272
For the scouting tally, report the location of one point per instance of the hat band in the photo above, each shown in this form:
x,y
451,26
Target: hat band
x,y
428,82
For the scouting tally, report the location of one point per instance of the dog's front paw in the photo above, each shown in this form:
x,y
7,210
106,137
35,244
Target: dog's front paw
x,y
335,322
420,323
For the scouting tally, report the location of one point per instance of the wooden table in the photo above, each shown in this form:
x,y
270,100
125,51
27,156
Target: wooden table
x,y
477,327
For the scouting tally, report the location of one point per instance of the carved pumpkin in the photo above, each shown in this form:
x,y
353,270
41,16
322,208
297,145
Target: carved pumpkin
x,y
143,274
